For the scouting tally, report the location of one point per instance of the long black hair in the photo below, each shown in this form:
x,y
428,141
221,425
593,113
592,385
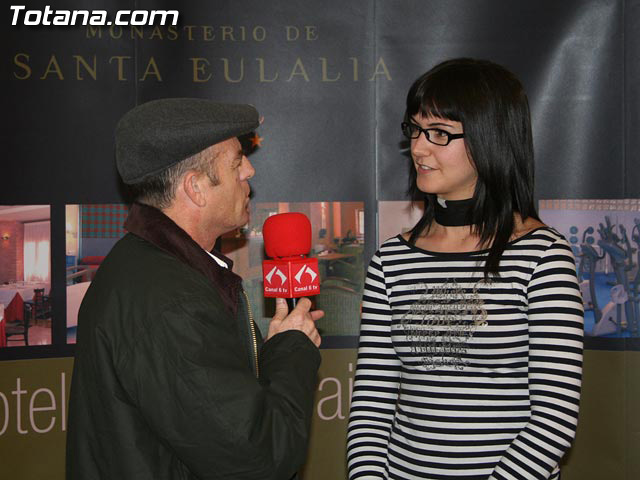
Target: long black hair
x,y
492,106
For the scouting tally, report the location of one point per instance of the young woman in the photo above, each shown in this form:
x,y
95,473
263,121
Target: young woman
x,y
470,356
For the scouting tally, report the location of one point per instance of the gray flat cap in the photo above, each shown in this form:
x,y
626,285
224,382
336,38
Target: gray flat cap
x,y
161,133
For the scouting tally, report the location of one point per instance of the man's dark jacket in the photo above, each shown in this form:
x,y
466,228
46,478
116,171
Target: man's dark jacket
x,y
166,383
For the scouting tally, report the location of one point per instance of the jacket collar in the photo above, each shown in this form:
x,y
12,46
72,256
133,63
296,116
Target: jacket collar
x,y
155,227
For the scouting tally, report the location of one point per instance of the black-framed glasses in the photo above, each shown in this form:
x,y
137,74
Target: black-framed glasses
x,y
436,136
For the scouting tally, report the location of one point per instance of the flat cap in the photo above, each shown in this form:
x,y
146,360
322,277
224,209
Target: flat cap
x,y
155,135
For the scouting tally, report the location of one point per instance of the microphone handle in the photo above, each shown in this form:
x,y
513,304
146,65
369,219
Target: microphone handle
x,y
292,302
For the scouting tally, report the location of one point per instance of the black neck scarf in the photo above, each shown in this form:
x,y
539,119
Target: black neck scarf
x,y
454,213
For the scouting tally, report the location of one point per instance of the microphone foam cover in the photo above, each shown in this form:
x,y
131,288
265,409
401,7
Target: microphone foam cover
x,y
287,235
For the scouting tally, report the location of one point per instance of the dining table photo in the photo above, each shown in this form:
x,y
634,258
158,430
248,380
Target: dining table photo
x,y
12,297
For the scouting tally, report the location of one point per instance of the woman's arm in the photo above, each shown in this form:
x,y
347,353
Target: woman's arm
x,y
376,382
555,369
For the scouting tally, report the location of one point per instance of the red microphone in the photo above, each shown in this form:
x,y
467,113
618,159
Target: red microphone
x,y
287,240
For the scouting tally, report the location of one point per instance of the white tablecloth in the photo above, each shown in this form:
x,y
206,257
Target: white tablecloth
x,y
75,294
7,292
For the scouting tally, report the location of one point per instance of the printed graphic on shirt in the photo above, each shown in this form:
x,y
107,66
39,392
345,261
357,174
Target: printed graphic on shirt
x,y
441,323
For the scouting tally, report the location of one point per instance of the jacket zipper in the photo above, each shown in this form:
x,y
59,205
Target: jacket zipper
x,y
252,329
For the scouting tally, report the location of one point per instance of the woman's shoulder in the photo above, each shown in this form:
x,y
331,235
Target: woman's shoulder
x,y
534,232
397,242
524,227
393,247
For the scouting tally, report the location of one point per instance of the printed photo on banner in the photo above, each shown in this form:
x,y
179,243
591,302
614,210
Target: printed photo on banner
x,y
25,275
395,217
91,231
337,241
605,238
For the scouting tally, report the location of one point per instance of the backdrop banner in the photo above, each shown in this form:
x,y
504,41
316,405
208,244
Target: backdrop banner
x,y
330,79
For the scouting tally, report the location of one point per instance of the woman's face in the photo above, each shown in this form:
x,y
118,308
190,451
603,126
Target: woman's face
x,y
445,170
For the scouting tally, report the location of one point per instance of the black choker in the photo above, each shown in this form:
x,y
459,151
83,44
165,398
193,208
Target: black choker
x,y
454,213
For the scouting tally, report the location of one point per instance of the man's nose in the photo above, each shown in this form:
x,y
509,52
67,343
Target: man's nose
x,y
247,169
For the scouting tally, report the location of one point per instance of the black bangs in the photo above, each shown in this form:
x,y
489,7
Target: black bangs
x,y
422,100
452,90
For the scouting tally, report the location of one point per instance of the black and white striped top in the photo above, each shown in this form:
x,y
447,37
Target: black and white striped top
x,y
459,378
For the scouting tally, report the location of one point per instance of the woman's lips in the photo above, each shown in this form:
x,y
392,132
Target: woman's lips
x,y
425,168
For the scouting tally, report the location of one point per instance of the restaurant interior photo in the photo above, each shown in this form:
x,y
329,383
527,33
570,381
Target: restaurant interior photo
x,y
91,231
25,275
337,243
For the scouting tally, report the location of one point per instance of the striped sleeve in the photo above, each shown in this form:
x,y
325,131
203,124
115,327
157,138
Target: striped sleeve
x,y
376,382
555,317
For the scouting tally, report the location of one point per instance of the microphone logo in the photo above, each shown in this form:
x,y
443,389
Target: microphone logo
x,y
279,273
308,270
296,277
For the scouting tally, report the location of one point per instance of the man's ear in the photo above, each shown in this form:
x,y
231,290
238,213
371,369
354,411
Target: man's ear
x,y
192,184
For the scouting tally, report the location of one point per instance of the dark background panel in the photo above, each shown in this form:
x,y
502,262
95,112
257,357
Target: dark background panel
x,y
632,98
59,131
331,136
318,120
310,70
60,142
337,140
569,56
316,94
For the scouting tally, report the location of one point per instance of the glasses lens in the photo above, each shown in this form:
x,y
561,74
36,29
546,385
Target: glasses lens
x,y
437,136
410,130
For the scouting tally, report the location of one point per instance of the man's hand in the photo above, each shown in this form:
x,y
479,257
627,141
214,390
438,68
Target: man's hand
x,y
300,318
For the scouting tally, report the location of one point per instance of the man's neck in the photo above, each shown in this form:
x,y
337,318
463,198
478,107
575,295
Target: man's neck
x,y
191,223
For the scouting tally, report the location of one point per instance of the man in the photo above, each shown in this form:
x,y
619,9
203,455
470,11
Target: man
x,y
171,379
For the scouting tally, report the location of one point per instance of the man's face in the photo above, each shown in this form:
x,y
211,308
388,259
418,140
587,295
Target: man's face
x,y
228,201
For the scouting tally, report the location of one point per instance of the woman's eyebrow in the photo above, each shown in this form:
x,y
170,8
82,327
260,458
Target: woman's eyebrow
x,y
440,124
432,124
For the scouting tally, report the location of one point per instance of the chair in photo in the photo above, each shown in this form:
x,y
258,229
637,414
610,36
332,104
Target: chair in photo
x,y
351,267
338,282
89,266
40,305
20,328
341,306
